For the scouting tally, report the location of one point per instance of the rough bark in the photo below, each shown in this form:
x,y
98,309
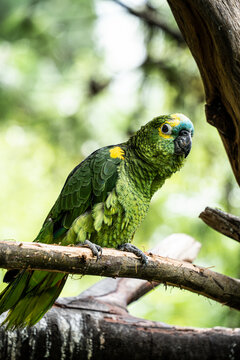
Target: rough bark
x,y
212,32
123,291
96,325
114,263
77,333
223,222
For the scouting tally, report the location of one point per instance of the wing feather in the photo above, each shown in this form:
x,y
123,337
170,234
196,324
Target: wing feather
x,y
88,184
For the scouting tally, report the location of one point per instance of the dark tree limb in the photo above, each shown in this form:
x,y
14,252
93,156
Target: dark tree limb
x,y
79,260
211,30
75,334
150,17
223,222
96,325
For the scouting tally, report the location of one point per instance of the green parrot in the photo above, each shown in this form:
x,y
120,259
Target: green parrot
x,y
102,203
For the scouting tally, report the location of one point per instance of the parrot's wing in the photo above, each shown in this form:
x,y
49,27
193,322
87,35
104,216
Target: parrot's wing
x,y
88,184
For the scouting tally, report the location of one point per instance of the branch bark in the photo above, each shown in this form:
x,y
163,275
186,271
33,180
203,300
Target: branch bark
x,y
211,30
78,333
96,325
226,224
79,260
121,292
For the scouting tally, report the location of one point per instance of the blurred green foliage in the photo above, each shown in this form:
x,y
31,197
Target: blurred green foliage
x,y
78,75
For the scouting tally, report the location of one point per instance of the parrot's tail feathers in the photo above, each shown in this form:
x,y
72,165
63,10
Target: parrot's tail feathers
x,y
13,292
30,296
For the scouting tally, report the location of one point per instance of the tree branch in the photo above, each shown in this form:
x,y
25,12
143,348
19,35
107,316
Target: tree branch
x,y
121,292
79,260
78,333
151,19
96,325
223,222
211,30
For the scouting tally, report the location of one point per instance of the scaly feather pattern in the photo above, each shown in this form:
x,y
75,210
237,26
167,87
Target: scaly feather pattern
x,y
104,200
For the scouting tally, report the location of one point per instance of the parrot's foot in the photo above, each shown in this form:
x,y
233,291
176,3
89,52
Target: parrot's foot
x,y
96,249
133,249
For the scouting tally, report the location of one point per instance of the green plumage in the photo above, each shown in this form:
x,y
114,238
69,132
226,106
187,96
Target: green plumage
x,y
104,200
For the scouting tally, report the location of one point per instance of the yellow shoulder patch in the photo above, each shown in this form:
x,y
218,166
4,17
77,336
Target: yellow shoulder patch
x,y
117,152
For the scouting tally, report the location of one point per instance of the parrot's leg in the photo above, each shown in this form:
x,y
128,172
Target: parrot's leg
x,y
96,249
133,249
78,232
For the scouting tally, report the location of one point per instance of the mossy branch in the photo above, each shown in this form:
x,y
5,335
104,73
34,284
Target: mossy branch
x,y
114,263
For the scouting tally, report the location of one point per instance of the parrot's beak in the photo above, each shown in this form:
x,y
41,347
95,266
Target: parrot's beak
x,y
183,143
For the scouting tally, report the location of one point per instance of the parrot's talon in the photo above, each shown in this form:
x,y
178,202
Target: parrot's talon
x,y
96,249
133,249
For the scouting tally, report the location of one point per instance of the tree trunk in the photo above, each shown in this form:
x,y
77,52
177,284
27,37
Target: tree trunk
x,y
212,31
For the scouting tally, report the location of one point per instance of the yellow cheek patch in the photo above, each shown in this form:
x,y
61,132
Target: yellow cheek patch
x,y
117,152
165,136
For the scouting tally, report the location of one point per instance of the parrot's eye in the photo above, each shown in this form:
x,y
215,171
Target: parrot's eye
x,y
166,129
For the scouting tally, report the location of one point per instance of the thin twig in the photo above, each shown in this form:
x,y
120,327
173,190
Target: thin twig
x,y
151,19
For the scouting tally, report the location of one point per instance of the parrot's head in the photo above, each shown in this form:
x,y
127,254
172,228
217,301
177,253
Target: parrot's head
x,y
165,141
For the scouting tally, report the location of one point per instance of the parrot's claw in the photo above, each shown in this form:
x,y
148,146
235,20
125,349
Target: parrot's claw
x,y
96,249
133,249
